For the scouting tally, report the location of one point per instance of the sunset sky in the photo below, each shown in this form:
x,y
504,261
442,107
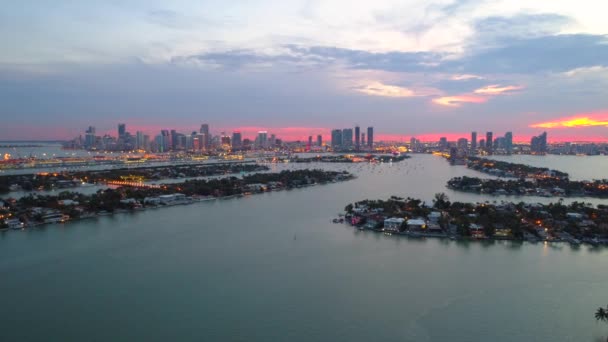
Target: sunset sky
x,y
299,68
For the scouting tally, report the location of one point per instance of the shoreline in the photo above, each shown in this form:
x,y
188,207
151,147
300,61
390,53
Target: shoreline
x,y
576,223
414,235
188,200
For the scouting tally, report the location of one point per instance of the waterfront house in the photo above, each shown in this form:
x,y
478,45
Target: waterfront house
x,y
543,233
502,232
275,185
360,209
434,216
255,187
54,216
14,223
176,198
356,220
152,200
68,202
416,224
574,216
477,231
393,224
434,227
373,222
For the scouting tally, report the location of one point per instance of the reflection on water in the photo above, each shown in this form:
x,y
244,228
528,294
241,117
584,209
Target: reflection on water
x,y
232,270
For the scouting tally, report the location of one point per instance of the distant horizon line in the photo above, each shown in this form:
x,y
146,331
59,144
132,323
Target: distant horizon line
x,y
304,140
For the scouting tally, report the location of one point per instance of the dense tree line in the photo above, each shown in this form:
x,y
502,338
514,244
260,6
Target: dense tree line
x,y
596,188
48,181
513,169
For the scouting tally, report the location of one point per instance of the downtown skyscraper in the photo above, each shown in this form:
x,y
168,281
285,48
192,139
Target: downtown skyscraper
x,y
473,142
489,142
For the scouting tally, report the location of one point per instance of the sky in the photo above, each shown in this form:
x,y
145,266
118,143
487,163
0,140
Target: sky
x,y
422,68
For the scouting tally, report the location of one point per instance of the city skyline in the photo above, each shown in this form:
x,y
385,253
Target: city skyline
x,y
418,68
292,134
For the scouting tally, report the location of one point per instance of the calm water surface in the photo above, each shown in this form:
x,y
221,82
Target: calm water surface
x,y
272,267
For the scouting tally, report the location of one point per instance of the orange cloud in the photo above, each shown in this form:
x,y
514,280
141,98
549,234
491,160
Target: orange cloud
x,y
456,101
480,95
572,122
496,89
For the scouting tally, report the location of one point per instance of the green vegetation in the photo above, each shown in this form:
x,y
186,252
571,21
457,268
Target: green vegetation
x,y
601,315
48,181
506,169
33,208
573,223
559,187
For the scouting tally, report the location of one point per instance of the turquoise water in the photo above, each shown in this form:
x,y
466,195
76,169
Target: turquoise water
x,y
272,267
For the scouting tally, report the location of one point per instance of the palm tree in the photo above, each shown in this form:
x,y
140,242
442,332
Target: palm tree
x,y
601,315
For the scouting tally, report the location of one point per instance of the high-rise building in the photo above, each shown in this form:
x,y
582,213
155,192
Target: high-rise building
x,y
319,140
225,141
443,143
262,140
539,144
462,144
188,139
336,138
489,141
198,142
370,137
509,142
174,139
309,141
357,138
164,141
473,141
413,144
122,130
347,137
363,139
139,140
482,144
182,141
89,138
146,146
237,142
205,130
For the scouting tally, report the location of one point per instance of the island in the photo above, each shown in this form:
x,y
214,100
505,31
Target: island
x,y
545,187
574,223
512,170
344,158
121,176
34,209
